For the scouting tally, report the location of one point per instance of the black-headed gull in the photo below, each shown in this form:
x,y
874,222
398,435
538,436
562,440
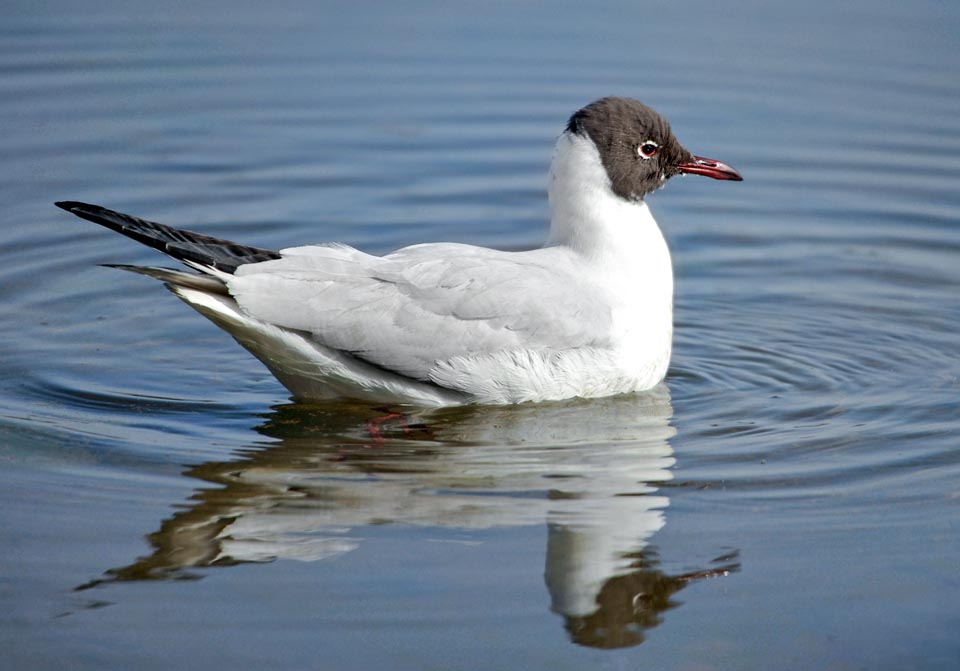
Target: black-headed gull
x,y
588,314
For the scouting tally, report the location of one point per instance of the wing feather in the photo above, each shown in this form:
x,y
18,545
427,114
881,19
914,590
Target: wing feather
x,y
426,306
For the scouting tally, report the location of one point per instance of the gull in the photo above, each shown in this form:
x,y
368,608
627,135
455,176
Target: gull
x,y
589,314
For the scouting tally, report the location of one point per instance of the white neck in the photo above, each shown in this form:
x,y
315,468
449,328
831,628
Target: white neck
x,y
619,242
587,217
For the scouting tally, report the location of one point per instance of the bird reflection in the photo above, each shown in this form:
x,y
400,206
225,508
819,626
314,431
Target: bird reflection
x,y
628,605
589,469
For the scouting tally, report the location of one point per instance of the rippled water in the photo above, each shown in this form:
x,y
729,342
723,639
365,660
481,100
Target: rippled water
x,y
789,499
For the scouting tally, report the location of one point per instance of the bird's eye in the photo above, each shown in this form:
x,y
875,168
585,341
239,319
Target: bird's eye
x,y
648,149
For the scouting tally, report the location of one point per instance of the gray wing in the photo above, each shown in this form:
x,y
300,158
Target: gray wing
x,y
426,305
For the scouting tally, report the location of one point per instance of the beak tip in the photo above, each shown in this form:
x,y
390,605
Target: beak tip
x,y
709,167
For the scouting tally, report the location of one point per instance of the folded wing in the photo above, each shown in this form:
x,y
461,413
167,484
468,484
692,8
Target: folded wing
x,y
426,307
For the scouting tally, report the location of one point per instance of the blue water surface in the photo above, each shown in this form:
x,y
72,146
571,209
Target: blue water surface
x,y
788,499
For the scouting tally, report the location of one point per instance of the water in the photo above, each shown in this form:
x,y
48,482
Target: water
x,y
789,498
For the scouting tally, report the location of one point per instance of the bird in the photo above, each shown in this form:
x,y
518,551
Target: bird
x,y
588,314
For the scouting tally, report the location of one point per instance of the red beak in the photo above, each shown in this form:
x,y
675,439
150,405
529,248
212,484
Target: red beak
x,y
710,168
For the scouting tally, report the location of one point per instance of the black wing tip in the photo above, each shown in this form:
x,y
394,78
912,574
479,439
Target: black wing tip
x,y
118,266
180,244
80,209
95,213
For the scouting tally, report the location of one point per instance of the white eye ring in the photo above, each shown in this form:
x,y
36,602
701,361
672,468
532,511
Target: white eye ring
x,y
647,149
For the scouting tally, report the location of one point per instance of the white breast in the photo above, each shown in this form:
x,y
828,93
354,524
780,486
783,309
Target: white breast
x,y
622,249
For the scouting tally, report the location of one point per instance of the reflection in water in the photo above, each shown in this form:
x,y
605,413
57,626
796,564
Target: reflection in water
x,y
588,469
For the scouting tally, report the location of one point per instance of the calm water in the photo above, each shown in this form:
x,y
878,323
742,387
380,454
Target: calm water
x,y
789,499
